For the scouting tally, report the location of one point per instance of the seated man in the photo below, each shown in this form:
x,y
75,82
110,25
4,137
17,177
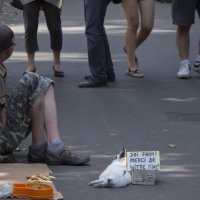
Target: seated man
x,y
31,107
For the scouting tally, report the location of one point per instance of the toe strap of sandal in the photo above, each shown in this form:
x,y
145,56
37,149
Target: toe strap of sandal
x,y
135,73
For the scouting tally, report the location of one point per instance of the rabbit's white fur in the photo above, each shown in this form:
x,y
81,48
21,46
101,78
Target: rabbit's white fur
x,y
115,175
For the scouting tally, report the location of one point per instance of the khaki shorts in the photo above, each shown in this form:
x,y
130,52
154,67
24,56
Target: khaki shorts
x,y
18,110
183,11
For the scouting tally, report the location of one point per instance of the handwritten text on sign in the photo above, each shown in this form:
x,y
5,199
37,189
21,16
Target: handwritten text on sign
x,y
148,160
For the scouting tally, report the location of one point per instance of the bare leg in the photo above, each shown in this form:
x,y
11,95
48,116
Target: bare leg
x,y
31,62
183,44
44,118
37,122
147,10
51,123
56,60
183,41
131,13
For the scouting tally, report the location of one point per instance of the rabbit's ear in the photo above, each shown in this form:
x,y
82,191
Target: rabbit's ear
x,y
122,153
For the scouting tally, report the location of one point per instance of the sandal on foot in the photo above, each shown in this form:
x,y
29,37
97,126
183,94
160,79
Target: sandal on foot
x,y
135,73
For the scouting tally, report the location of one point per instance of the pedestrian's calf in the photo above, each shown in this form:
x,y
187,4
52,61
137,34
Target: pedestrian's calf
x,y
115,175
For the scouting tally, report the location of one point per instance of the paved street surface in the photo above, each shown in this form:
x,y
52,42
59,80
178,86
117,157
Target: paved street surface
x,y
139,114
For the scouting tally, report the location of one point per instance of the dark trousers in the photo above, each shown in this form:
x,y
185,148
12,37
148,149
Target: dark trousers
x,y
99,57
31,19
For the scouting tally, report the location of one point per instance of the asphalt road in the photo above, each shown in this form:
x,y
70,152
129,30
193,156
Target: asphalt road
x,y
139,114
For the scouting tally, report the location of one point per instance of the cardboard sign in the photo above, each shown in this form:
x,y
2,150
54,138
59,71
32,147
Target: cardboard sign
x,y
143,160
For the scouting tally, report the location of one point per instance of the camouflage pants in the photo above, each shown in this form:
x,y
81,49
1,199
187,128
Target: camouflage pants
x,y
18,110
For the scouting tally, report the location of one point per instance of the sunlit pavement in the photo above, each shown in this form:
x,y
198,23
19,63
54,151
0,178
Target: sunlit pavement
x,y
139,114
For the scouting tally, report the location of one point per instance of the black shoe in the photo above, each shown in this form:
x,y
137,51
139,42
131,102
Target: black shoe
x,y
58,73
110,77
92,82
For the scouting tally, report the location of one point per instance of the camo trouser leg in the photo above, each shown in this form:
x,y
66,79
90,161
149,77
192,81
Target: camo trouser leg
x,y
18,110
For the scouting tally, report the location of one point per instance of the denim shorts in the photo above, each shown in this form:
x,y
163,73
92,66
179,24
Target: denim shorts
x,y
18,110
183,11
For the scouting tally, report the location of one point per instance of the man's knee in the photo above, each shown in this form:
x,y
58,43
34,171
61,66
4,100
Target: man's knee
x,y
28,83
35,85
29,78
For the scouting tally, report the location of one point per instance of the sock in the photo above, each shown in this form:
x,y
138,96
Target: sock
x,y
198,58
38,146
56,146
185,62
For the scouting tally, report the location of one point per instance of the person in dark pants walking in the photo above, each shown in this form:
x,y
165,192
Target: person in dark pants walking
x,y
99,57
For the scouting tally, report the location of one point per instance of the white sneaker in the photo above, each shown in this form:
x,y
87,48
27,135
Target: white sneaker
x,y
184,72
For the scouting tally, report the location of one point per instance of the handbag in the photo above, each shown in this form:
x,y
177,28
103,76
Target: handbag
x,y
116,1
17,4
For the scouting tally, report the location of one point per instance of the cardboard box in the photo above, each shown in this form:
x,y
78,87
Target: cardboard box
x,y
144,177
17,173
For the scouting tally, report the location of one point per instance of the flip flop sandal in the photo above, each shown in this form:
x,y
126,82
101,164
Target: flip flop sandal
x,y
135,73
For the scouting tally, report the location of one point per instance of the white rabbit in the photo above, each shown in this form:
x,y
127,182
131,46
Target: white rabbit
x,y
115,175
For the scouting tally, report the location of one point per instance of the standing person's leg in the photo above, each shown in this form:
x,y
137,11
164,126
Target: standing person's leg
x,y
197,60
95,11
183,14
183,46
147,10
183,41
131,12
56,37
196,65
109,64
31,15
